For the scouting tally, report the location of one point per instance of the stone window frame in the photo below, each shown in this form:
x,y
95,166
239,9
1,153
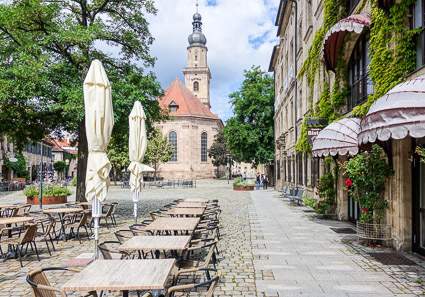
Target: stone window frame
x,y
172,140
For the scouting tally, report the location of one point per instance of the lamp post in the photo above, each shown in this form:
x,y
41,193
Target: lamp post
x,y
66,171
228,162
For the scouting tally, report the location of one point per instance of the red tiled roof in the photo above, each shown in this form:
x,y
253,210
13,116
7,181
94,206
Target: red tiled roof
x,y
64,145
188,103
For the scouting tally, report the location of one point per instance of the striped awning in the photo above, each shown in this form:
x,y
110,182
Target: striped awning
x,y
339,137
334,38
398,113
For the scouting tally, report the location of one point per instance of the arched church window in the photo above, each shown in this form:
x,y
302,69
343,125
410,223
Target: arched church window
x,y
196,58
358,73
172,139
204,146
195,86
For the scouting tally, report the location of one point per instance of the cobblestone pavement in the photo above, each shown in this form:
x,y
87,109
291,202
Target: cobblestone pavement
x,y
267,248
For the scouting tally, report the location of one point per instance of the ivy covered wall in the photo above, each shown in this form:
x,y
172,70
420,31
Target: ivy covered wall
x,y
392,57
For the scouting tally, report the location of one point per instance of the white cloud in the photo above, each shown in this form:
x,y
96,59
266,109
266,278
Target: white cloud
x,y
240,33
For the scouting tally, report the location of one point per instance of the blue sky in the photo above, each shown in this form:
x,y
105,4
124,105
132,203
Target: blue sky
x,y
239,34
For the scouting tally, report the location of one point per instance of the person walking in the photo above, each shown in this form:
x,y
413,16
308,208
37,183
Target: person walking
x,y
258,181
244,176
265,181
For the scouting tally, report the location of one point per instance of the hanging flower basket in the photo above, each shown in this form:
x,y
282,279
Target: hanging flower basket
x,y
373,231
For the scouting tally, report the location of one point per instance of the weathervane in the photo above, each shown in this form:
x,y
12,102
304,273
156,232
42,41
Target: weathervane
x,y
197,4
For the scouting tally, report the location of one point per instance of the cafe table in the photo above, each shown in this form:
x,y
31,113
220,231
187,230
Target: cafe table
x,y
165,224
156,243
191,204
61,212
122,275
186,211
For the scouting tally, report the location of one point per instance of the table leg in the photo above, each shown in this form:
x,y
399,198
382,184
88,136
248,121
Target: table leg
x,y
125,293
63,234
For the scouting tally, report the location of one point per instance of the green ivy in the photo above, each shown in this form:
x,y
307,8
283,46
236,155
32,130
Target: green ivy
x,y
389,64
19,167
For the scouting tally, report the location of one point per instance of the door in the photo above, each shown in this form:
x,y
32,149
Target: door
x,y
353,210
418,179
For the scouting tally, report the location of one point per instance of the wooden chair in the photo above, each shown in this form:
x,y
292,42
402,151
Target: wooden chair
x,y
109,253
199,260
47,227
40,285
78,223
210,284
18,242
110,214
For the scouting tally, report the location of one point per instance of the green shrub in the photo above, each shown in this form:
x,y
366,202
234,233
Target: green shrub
x,y
33,191
241,183
312,202
74,182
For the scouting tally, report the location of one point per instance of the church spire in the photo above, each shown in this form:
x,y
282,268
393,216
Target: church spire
x,y
197,38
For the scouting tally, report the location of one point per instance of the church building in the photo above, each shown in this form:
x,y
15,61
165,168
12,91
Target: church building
x,y
192,126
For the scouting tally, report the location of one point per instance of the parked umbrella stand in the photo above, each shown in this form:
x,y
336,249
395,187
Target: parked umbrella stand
x,y
99,121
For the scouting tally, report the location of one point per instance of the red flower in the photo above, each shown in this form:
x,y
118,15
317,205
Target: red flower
x,y
317,193
416,151
365,209
318,204
334,203
324,183
321,202
348,182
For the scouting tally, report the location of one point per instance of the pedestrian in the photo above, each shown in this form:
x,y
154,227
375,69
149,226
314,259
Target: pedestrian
x,y
265,181
244,176
257,181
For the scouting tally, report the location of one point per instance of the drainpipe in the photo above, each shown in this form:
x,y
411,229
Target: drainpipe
x,y
295,87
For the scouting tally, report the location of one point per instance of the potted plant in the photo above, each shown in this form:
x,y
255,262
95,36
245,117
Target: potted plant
x,y
51,195
367,173
325,189
241,185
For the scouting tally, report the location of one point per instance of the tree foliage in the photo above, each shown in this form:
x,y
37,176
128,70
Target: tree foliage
x,y
249,133
118,156
218,150
46,48
159,150
60,167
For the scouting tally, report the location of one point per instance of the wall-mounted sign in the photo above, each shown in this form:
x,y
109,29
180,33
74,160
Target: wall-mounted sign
x,y
311,133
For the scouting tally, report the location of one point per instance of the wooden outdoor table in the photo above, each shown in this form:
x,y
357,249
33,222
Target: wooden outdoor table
x,y
15,220
186,211
7,206
173,224
122,275
190,204
90,203
156,243
62,212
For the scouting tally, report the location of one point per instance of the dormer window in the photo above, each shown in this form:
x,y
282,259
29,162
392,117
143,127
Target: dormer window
x,y
173,106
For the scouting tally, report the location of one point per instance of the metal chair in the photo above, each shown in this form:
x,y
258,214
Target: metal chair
x,y
79,223
112,253
40,285
18,243
47,226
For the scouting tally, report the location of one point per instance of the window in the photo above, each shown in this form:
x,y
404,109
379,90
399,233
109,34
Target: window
x,y
358,73
172,139
285,176
293,168
196,58
418,21
351,5
195,86
204,143
300,168
305,169
173,106
289,169
278,169
314,171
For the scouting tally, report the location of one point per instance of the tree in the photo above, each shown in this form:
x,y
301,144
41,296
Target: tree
x,y
249,133
46,48
218,151
118,156
159,150
60,167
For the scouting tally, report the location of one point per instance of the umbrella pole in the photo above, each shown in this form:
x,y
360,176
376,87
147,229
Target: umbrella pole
x,y
136,194
96,213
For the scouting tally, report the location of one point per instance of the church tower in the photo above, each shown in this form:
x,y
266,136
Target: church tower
x,y
197,75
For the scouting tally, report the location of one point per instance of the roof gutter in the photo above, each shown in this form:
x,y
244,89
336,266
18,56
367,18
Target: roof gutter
x,y
281,15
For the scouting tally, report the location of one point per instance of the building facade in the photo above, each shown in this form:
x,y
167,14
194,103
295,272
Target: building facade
x,y
337,71
34,153
192,126
65,151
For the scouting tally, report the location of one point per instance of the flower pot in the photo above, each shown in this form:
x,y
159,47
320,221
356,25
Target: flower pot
x,y
240,188
47,200
373,231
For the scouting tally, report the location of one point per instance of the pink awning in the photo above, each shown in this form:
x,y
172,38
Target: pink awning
x,y
398,113
334,38
339,137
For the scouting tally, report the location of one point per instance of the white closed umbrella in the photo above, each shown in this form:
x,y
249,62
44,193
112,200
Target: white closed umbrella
x,y
99,120
137,144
